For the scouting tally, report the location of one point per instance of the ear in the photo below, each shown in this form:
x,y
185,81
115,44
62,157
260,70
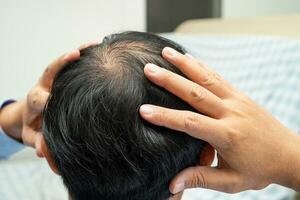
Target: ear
x,y
207,155
47,155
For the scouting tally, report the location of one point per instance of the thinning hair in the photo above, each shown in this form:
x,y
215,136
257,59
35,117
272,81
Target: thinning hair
x,y
101,146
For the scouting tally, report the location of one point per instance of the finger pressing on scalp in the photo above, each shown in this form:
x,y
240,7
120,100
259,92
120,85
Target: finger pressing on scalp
x,y
198,72
38,145
88,44
194,124
206,177
197,96
52,69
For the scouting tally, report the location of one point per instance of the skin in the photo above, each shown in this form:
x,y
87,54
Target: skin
x,y
253,148
21,120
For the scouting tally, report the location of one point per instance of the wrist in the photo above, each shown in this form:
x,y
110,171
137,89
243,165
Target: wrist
x,y
290,174
11,119
295,172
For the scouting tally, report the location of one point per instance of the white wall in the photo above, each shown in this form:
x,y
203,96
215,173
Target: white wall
x,y
248,8
34,32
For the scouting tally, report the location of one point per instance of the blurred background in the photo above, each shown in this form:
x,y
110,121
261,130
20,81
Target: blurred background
x,y
34,32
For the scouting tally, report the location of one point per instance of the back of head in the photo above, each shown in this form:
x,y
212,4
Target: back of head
x,y
101,146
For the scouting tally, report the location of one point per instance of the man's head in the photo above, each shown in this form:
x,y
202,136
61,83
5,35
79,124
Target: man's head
x,y
93,133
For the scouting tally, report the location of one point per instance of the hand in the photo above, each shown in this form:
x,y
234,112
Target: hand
x,y
36,100
22,120
253,148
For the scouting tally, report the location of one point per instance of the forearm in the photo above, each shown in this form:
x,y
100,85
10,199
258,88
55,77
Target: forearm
x,y
11,119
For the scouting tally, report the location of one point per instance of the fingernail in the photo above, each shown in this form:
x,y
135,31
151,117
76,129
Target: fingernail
x,y
152,68
146,110
170,52
178,188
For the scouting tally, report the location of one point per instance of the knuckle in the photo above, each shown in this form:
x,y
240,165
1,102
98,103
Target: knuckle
x,y
207,80
190,121
198,94
34,99
47,70
198,180
230,138
211,78
233,139
217,76
160,115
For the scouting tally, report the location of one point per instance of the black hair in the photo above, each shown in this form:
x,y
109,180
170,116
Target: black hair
x,y
101,146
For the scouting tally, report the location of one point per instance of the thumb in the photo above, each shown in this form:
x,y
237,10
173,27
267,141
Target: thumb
x,y
33,138
206,177
38,145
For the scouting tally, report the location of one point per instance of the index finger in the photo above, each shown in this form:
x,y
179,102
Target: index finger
x,y
52,69
198,72
194,124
